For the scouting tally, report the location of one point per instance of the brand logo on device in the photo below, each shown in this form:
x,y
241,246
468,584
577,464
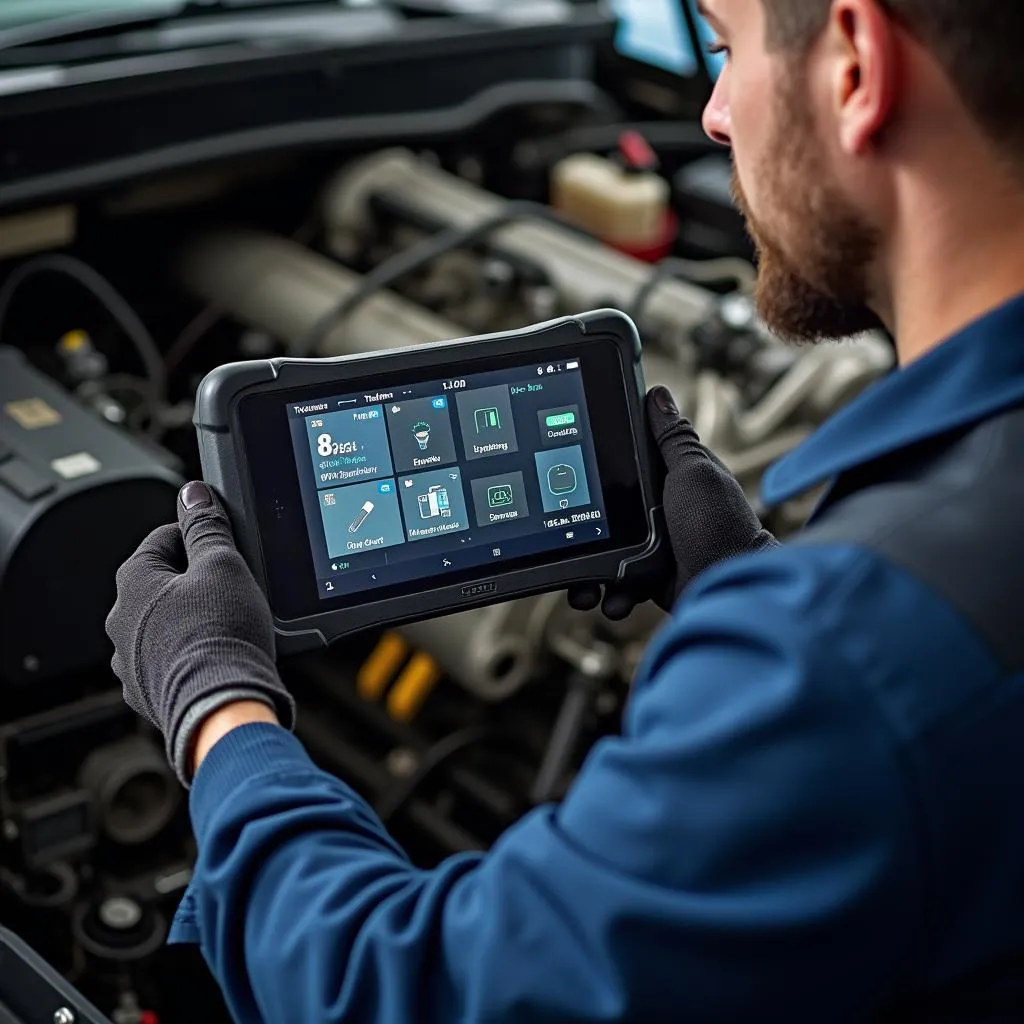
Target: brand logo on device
x,y
479,589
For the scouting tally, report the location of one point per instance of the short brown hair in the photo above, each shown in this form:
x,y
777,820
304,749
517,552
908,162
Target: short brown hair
x,y
980,43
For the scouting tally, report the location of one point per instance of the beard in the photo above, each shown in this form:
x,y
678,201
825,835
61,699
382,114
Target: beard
x,y
815,259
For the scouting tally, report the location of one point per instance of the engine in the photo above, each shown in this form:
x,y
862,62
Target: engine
x,y
115,307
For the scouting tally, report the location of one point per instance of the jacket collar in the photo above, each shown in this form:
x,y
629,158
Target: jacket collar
x,y
975,374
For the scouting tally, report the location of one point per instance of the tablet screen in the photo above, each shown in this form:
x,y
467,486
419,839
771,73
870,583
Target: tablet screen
x,y
422,478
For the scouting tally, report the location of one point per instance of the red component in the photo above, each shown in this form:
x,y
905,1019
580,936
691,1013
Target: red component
x,y
655,252
636,152
148,1017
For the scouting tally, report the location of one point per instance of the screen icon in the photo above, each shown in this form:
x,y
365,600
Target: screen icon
x,y
562,476
496,552
560,426
487,419
573,365
500,499
500,496
540,371
434,503
363,515
330,499
562,479
488,425
551,369
421,431
421,434
434,506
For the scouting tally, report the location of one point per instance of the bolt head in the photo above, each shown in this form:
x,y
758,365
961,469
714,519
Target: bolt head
x,y
120,913
402,763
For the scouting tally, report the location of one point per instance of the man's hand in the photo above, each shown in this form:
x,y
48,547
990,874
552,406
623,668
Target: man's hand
x,y
707,514
191,629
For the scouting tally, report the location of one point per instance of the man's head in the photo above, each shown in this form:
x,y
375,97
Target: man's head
x,y
836,110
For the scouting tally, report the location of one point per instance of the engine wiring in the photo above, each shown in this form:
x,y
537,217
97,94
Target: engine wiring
x,y
399,266
194,331
389,805
715,271
107,295
402,264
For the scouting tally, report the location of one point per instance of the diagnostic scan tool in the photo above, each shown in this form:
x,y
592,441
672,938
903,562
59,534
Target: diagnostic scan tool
x,y
372,490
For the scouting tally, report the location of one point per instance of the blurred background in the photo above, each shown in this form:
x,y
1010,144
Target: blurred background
x,y
188,183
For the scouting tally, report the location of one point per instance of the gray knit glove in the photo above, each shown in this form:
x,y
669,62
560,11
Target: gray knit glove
x,y
191,629
706,512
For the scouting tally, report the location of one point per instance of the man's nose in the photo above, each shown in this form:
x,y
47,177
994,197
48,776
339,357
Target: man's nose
x,y
717,118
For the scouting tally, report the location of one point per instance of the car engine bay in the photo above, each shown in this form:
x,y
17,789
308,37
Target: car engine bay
x,y
118,294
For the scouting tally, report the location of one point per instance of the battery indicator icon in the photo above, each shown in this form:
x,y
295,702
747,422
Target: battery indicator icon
x,y
574,365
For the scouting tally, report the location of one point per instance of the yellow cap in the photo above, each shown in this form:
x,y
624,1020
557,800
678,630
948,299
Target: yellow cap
x,y
380,667
413,687
73,341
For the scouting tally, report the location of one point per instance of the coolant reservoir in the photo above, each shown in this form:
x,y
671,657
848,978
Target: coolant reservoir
x,y
625,203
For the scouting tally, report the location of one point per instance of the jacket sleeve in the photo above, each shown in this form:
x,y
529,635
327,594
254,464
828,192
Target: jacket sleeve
x,y
745,851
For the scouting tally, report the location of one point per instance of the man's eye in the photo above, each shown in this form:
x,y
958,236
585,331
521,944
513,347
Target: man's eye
x,y
716,48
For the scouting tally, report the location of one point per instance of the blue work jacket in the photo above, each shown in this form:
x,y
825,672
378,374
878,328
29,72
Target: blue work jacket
x,y
815,811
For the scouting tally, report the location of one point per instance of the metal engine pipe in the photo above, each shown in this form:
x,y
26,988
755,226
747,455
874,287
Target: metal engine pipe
x,y
278,286
587,274
491,652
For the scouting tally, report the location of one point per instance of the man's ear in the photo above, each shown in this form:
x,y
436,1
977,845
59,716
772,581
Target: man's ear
x,y
864,48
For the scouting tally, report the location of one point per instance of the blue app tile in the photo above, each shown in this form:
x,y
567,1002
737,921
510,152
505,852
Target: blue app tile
x,y
349,445
361,517
421,434
562,476
434,504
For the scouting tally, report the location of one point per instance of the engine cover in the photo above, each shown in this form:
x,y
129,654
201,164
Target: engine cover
x,y
76,498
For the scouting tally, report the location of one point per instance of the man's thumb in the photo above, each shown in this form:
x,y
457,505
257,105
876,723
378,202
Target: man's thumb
x,y
203,522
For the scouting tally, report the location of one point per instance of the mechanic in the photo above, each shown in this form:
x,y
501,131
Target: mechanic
x,y
815,809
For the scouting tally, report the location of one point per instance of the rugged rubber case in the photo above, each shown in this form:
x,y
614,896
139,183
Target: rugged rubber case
x,y
224,468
